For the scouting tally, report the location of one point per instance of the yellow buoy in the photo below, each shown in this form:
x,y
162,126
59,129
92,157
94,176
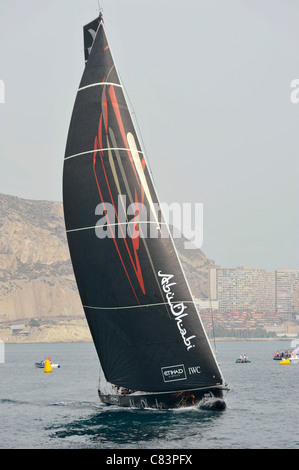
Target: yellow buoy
x,y
48,367
287,362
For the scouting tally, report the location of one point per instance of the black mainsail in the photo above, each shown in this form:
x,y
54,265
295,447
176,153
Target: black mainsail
x,y
142,317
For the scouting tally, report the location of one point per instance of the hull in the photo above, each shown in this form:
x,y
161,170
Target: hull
x,y
204,398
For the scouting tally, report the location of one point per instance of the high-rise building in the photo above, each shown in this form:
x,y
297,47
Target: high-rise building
x,y
245,288
287,287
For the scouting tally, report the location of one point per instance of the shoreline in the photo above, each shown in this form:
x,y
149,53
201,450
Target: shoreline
x,y
77,331
63,331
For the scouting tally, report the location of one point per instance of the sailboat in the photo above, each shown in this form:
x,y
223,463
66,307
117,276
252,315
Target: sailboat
x,y
151,343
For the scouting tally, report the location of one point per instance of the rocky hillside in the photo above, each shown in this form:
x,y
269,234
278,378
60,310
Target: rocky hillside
x,y
196,266
36,277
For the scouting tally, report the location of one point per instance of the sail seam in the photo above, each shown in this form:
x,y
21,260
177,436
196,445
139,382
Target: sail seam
x,y
135,306
99,84
133,222
98,150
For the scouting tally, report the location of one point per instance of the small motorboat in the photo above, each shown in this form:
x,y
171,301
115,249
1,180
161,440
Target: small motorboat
x,y
282,354
41,364
242,359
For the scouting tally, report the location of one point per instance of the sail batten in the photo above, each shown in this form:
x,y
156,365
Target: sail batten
x,y
130,279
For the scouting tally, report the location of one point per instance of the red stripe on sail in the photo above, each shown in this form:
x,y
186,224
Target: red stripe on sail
x,y
100,132
135,241
106,112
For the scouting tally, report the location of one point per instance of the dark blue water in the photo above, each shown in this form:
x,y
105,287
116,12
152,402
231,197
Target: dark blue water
x,y
61,410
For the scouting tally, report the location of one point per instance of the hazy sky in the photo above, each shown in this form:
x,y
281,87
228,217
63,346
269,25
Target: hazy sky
x,y
209,81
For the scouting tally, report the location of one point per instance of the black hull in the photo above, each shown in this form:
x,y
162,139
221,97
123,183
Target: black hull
x,y
205,399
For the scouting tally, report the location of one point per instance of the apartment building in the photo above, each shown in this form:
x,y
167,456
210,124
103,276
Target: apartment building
x,y
287,289
247,298
246,289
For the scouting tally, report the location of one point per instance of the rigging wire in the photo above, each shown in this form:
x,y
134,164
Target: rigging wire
x,y
100,9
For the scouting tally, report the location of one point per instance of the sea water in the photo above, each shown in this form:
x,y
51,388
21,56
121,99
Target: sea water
x,y
61,410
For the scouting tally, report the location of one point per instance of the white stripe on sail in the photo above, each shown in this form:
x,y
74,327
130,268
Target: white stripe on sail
x,y
136,306
99,84
117,223
97,150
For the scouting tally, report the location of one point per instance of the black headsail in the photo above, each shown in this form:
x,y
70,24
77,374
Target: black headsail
x,y
138,305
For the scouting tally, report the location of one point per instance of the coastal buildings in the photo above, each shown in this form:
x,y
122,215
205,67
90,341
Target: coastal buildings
x,y
287,292
244,288
247,298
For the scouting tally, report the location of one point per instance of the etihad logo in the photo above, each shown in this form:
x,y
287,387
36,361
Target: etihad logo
x,y
174,373
177,309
